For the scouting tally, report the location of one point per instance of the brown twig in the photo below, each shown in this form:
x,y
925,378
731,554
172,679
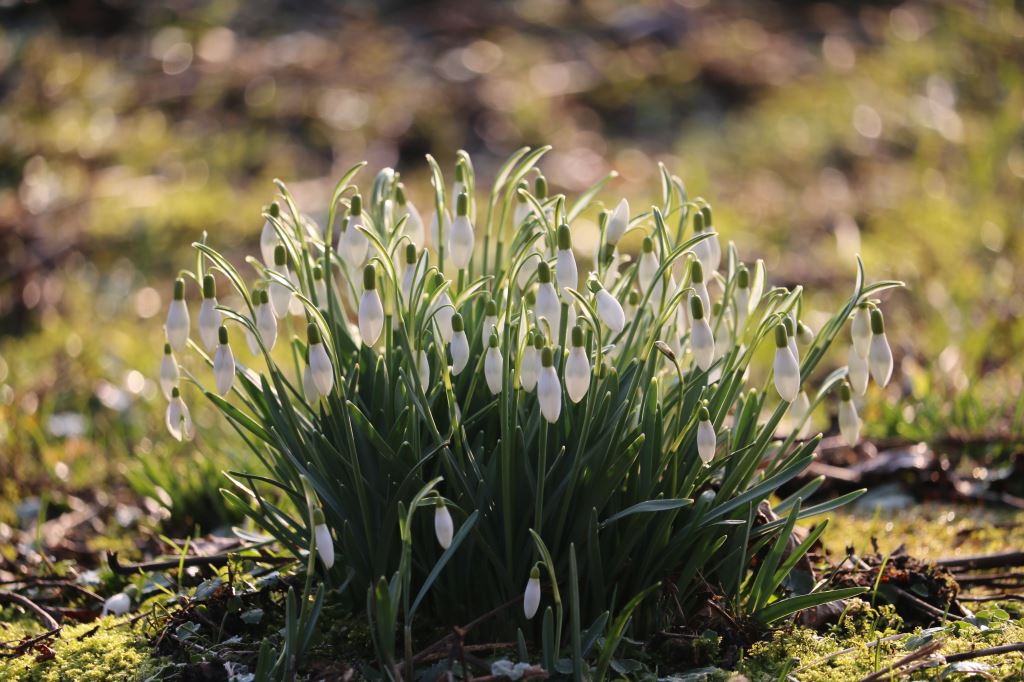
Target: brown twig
x,y
213,560
912,657
978,653
970,563
52,626
534,672
993,597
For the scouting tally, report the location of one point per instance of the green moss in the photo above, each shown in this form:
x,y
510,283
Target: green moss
x,y
113,653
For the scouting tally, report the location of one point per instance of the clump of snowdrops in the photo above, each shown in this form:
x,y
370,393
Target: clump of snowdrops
x,y
461,412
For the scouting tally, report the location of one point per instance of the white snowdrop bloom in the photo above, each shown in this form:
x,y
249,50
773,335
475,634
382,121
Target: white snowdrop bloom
x,y
354,245
702,249
857,371
266,322
435,236
320,368
804,334
409,275
577,368
493,365
178,325
442,310
566,272
549,390
714,248
371,310
460,186
799,411
534,255
860,329
707,439
444,528
610,262
223,363
169,373
523,209
268,237
849,421
323,539
742,298
608,308
700,289
319,287
413,228
791,337
308,387
531,597
295,306
529,369
702,339
117,605
491,323
423,368
723,334
459,345
280,294
787,371
178,419
460,237
632,304
617,223
548,307
209,316
647,269
879,353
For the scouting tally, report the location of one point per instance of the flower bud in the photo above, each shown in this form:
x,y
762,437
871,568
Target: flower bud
x,y
117,605
443,310
266,322
460,236
529,368
444,528
531,597
707,439
857,371
702,339
577,368
178,419
565,266
879,353
548,307
860,330
223,363
354,245
320,368
786,369
413,221
169,373
209,316
523,208
459,345
268,237
617,223
493,365
608,308
849,421
549,390
178,324
323,540
319,286
490,321
371,310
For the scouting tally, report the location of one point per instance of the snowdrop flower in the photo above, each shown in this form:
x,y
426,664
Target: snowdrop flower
x,y
742,298
523,209
493,365
529,368
879,353
857,370
460,237
423,368
549,391
371,311
322,538
179,421
354,245
409,276
459,186
548,306
849,422
714,245
178,324
280,294
791,337
209,316
531,597
647,269
608,308
707,439
169,373
702,249
632,303
617,223
490,321
702,339
565,266
266,322
860,329
459,345
120,603
577,368
308,387
319,287
320,368
443,310
444,528
787,371
799,410
804,334
413,221
268,237
697,282
223,363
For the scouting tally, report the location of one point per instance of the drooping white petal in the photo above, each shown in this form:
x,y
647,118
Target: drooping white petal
x,y
849,422
354,245
252,342
577,374
324,545
702,343
799,410
223,368
209,323
461,241
742,307
460,351
857,370
266,325
787,374
549,394
707,441
860,331
295,306
445,313
321,369
566,273
413,225
531,598
617,223
493,362
117,605
549,308
490,325
178,325
280,295
610,311
423,367
371,317
530,368
444,528
309,386
268,242
880,359
169,374
178,420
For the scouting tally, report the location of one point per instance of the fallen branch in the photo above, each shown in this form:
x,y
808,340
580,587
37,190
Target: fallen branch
x,y
213,560
979,653
48,621
993,597
971,563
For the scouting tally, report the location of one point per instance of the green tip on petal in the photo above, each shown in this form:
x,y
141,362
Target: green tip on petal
x,y
594,285
788,321
318,272
743,277
602,218
264,297
167,349
222,335
698,221
490,308
608,253
457,323
521,193
280,255
438,279
703,414
547,358
460,171
312,333
877,322
400,194
179,289
531,298
209,286
540,187
493,341
439,502
535,573
370,277
844,391
275,210
648,245
462,204
538,340
696,308
696,272
175,392
410,254
318,516
564,237
543,272
781,338
356,207
577,336
634,298
706,211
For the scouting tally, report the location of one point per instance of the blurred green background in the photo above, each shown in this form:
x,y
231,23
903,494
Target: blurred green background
x,y
817,130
